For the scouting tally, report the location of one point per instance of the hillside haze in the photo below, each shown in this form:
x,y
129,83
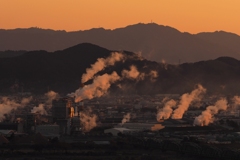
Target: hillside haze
x,y
61,71
153,41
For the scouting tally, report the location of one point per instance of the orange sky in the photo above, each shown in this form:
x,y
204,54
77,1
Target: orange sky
x,y
185,15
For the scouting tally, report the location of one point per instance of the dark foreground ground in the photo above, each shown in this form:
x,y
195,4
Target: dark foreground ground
x,y
120,154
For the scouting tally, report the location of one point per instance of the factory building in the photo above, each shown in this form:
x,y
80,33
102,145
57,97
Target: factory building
x,y
50,131
65,113
138,126
62,108
116,131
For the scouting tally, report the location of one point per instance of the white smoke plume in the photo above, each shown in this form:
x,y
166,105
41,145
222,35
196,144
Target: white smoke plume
x,y
133,73
186,100
166,111
126,118
99,87
236,102
51,95
88,120
207,116
39,109
100,65
26,101
7,105
164,64
153,75
44,107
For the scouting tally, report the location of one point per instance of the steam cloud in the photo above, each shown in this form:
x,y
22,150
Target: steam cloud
x,y
7,105
44,107
100,65
186,100
51,95
167,110
126,118
153,75
88,120
102,83
133,74
99,87
236,101
207,116
39,109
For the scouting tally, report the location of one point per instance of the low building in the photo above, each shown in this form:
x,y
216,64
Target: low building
x,y
139,126
50,131
7,133
116,131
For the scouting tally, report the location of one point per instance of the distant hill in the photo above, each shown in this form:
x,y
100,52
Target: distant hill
x,y
221,38
61,71
153,41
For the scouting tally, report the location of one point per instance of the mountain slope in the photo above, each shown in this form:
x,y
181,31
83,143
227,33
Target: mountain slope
x,y
61,71
221,38
153,41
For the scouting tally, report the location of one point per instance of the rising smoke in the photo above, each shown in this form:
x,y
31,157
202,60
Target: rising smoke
x,y
43,108
236,102
134,74
126,118
88,120
7,105
166,111
207,116
100,65
186,100
100,86
39,109
101,83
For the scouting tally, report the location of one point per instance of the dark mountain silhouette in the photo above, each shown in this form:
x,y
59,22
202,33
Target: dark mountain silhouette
x,y
10,53
153,41
221,38
61,71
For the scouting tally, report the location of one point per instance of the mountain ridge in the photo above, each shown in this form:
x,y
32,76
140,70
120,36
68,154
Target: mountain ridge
x,y
153,41
61,71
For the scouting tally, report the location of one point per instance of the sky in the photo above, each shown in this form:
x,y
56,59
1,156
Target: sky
x,y
191,16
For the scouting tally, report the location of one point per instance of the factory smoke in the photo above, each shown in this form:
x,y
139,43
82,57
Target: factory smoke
x,y
43,108
7,105
100,64
39,109
126,118
186,100
207,116
153,75
51,95
166,111
25,101
100,86
134,74
236,101
88,120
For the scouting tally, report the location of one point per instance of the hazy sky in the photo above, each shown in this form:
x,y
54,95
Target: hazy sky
x,y
185,15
